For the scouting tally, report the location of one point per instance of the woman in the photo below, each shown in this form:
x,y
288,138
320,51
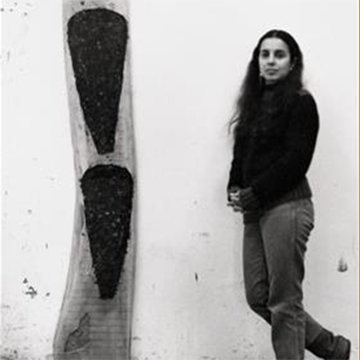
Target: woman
x,y
275,131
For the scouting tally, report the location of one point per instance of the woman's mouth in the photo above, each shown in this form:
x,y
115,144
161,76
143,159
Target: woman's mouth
x,y
271,71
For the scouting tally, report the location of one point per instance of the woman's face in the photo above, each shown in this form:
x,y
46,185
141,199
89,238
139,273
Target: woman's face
x,y
274,60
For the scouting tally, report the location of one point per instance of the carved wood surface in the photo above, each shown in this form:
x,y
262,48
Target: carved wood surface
x,y
96,314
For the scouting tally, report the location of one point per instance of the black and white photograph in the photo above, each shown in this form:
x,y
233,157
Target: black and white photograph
x,y
180,180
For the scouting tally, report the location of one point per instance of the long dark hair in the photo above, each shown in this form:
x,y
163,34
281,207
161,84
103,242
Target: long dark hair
x,y
253,85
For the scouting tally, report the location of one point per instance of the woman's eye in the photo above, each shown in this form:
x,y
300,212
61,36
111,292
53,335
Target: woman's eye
x,y
280,54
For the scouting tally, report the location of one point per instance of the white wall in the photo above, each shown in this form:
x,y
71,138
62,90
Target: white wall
x,y
188,60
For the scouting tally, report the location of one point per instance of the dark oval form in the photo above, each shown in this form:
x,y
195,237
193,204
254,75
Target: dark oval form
x,y
97,40
108,193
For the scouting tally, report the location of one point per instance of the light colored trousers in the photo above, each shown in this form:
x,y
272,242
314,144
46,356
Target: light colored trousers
x,y
274,249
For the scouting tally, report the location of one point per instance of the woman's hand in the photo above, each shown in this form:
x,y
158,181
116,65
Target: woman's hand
x,y
248,200
234,199
242,199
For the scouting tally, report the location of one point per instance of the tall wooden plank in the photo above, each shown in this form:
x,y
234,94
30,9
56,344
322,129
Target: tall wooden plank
x,y
96,314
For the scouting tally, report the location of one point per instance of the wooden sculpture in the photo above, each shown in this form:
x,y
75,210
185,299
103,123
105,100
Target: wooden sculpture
x,y
95,318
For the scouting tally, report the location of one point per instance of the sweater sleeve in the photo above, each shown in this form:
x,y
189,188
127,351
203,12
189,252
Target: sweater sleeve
x,y
300,139
235,176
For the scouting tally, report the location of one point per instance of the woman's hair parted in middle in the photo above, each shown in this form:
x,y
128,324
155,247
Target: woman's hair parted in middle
x,y
253,83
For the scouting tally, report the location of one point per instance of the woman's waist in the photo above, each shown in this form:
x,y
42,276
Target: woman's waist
x,y
301,191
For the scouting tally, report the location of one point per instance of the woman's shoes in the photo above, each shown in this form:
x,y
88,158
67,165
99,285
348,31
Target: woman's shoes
x,y
328,346
342,348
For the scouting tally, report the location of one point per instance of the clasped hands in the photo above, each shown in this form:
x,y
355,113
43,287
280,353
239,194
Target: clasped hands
x,y
242,200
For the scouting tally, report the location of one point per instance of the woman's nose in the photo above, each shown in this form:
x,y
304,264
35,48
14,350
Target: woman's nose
x,y
271,59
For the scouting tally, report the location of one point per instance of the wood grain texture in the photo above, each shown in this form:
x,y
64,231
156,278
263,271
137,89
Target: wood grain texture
x,y
96,314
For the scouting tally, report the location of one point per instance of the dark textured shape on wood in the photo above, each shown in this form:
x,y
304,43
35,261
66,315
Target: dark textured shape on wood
x,y
108,193
97,40
79,337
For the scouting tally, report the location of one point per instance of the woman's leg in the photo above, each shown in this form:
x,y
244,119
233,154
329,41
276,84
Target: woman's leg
x,y
256,274
317,339
285,230
255,271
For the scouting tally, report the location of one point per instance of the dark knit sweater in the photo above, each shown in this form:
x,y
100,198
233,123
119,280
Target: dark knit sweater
x,y
273,155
